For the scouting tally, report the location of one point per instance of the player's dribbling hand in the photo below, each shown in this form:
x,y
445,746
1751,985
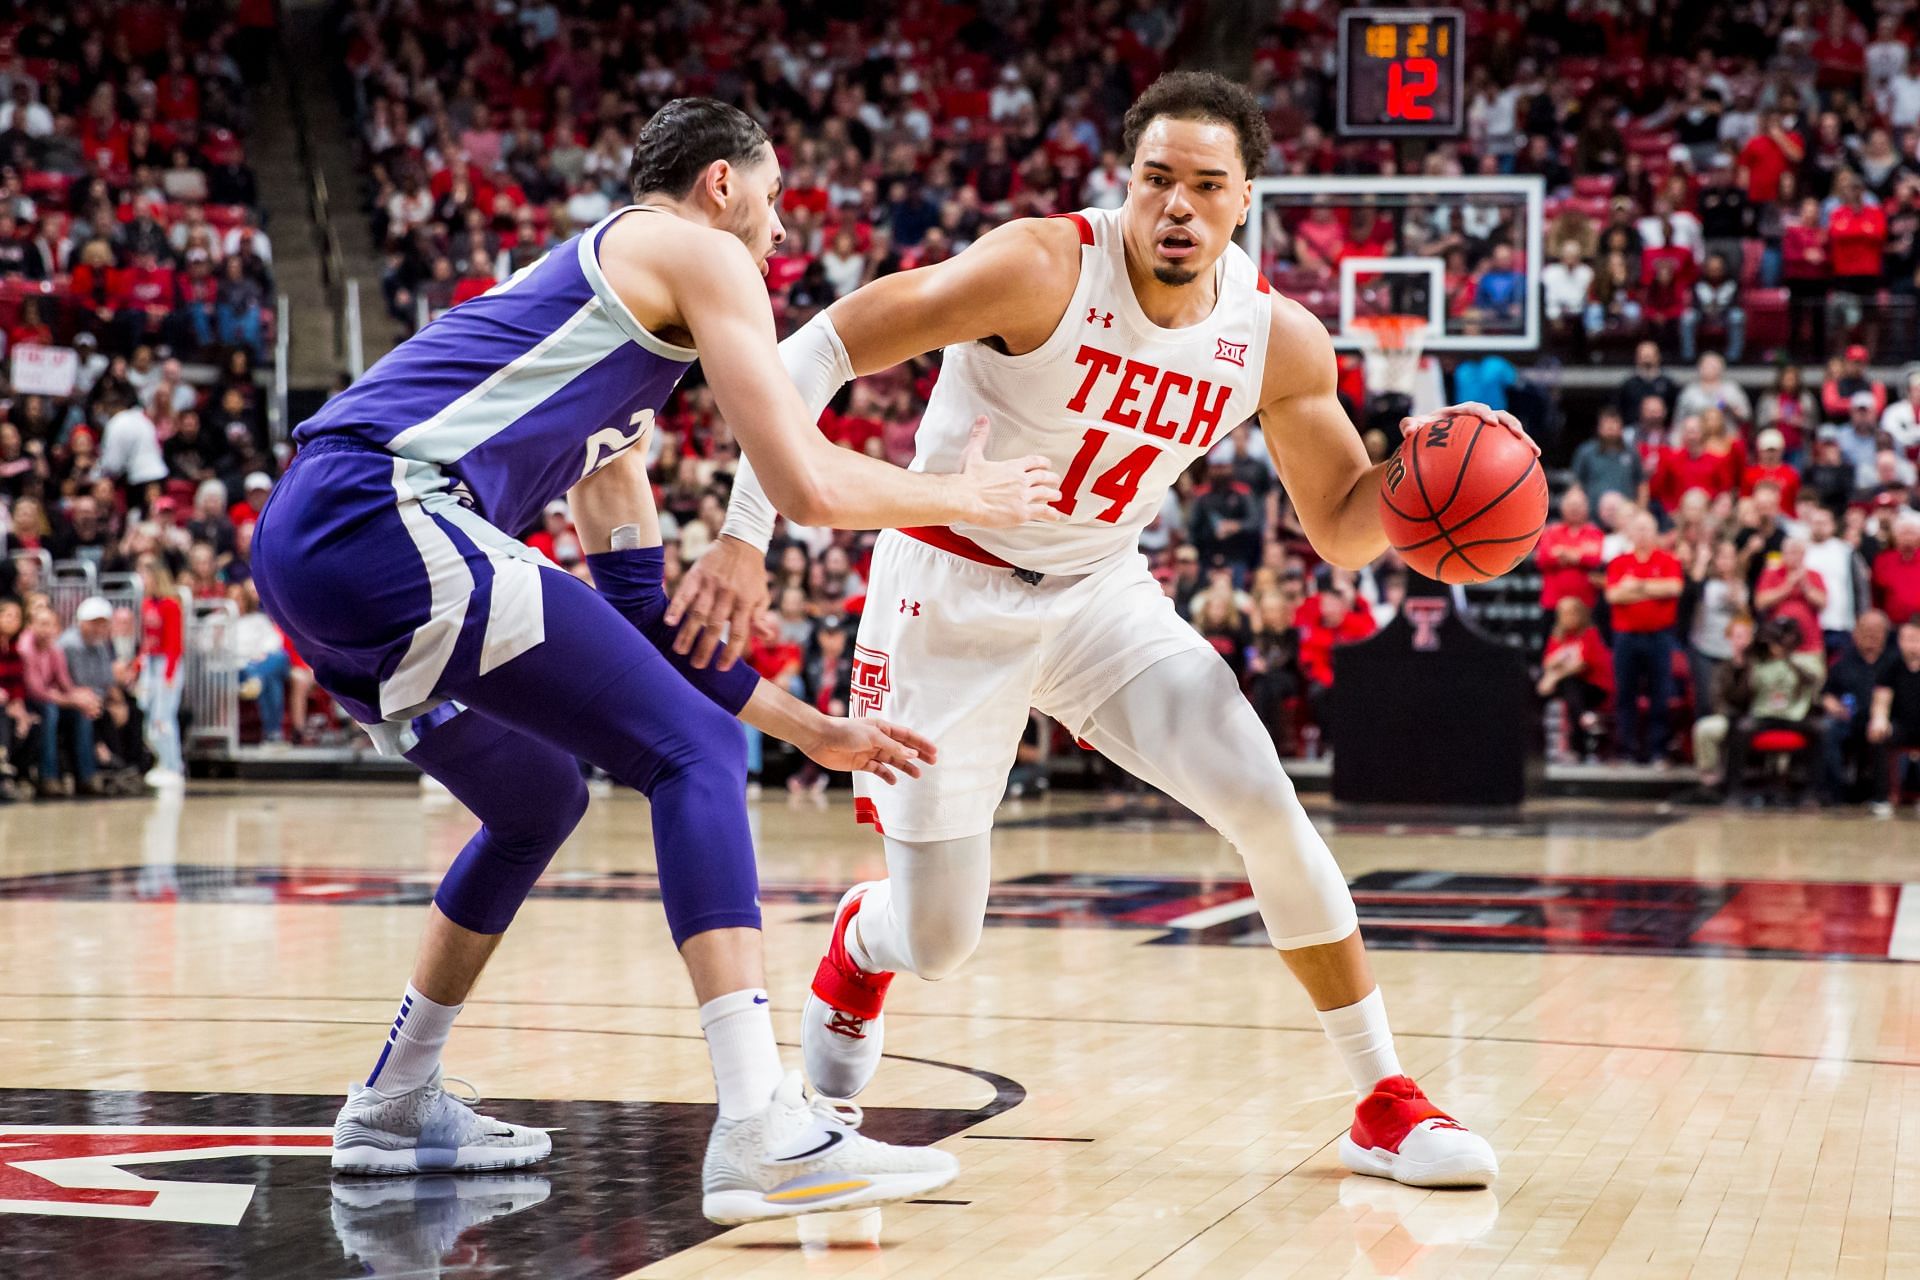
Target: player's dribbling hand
x,y
1012,492
726,586
869,746
1499,417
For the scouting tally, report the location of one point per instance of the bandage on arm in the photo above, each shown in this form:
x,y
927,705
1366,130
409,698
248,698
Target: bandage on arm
x,y
817,362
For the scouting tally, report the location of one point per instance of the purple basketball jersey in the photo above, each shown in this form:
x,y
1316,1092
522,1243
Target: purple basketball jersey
x,y
517,395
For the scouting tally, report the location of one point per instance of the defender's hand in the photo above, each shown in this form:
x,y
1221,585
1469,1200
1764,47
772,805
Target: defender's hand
x,y
728,585
1472,408
1012,492
869,746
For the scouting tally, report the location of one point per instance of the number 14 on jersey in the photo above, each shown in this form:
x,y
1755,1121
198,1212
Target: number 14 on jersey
x,y
1117,484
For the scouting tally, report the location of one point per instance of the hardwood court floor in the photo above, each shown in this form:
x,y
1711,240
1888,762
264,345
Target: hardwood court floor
x,y
1682,1031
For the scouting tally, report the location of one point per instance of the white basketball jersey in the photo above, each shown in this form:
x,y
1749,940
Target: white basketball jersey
x,y
1120,405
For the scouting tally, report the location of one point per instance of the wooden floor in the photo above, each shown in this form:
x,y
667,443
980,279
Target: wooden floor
x,y
1685,1033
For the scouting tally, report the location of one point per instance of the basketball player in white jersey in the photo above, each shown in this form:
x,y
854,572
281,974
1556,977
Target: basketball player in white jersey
x,y
1121,345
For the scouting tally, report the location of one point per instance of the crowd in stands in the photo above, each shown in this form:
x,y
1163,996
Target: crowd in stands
x,y
1728,565
1750,565
135,287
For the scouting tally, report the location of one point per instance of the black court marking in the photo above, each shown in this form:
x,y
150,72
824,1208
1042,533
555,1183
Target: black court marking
x,y
1018,1137
620,1192
939,1202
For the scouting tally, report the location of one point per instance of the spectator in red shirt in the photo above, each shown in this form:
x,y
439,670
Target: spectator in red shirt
x,y
1569,555
1643,587
1338,623
162,646
1663,299
1771,446
1789,589
476,280
1896,571
1773,150
1856,236
1689,465
556,539
1578,670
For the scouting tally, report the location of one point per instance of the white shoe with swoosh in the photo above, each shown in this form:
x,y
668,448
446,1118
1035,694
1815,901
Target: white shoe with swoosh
x,y
803,1154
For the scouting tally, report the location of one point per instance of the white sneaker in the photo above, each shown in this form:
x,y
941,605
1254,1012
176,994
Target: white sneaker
x,y
1880,809
842,1030
163,779
427,1130
410,1226
803,1155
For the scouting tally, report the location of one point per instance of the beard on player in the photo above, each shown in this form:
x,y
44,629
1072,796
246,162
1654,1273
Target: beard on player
x,y
1197,139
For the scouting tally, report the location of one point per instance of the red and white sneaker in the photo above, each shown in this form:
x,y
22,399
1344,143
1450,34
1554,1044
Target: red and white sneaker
x,y
841,1028
1398,1134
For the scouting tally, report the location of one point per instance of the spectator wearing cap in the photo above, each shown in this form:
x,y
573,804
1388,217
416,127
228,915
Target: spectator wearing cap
x,y
555,538
1841,570
1896,571
1607,464
1569,554
1711,388
1715,303
62,704
1859,439
1846,378
256,489
1770,464
1643,588
87,646
1227,519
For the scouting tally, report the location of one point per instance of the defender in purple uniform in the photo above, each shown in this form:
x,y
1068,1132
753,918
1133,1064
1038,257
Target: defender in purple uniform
x,y
387,556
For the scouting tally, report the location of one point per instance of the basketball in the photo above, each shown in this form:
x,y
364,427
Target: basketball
x,y
1464,500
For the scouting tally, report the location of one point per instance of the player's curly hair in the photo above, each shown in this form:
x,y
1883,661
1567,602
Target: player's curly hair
x,y
1202,95
684,137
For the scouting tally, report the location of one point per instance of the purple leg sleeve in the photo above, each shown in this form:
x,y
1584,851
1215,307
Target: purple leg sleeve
x,y
528,797
634,582
595,688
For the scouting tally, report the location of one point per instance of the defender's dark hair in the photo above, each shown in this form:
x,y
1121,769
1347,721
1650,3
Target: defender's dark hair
x,y
686,136
1202,95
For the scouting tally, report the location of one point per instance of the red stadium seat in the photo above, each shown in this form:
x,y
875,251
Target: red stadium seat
x,y
1767,324
1778,741
1595,184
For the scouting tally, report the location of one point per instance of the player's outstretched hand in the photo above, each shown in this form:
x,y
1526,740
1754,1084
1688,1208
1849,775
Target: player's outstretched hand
x,y
726,586
1473,408
1012,492
869,746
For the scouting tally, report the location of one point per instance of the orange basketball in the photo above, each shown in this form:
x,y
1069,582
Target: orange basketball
x,y
1464,500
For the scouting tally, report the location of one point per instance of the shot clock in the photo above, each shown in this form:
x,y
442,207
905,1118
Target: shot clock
x,y
1402,73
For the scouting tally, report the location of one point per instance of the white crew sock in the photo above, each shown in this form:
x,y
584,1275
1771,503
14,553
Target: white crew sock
x,y
746,1062
413,1045
1363,1039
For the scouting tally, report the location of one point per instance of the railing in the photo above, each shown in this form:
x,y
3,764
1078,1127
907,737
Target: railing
x,y
210,684
68,582
279,428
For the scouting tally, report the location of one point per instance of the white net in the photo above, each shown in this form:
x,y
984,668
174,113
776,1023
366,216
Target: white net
x,y
1391,345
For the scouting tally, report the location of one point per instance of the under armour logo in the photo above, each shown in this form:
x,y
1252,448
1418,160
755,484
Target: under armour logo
x,y
1093,314
910,605
1231,352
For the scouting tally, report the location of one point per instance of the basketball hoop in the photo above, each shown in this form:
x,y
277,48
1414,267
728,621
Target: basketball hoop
x,y
1392,345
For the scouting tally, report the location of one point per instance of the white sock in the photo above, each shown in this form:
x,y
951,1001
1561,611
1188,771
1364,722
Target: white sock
x,y
413,1045
874,908
1363,1039
746,1062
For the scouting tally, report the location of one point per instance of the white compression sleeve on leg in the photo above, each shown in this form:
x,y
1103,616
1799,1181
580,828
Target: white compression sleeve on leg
x,y
925,917
1182,725
816,360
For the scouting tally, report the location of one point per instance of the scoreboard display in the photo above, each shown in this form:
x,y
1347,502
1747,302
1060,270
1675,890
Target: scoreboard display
x,y
1402,73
